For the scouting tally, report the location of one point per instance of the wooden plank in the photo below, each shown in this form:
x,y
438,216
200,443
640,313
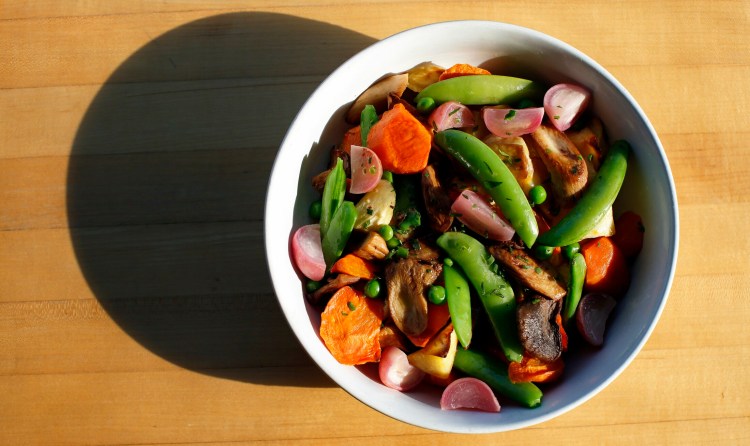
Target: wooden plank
x,y
638,36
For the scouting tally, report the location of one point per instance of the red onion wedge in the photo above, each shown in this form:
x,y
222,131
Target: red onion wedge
x,y
366,170
591,316
477,214
308,253
396,372
469,393
564,103
450,115
507,122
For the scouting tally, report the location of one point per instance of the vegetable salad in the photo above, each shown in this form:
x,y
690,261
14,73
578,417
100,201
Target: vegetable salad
x,y
464,237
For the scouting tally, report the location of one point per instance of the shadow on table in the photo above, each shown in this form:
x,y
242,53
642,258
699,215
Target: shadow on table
x,y
167,183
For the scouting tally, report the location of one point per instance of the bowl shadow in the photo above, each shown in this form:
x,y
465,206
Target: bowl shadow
x,y
167,183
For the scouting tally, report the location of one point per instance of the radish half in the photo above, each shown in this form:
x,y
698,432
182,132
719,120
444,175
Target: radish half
x,y
308,252
469,393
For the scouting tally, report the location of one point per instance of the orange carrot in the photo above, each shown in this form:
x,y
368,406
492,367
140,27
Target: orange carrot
x,y
563,333
352,137
629,234
531,369
606,267
350,327
401,142
461,69
437,317
354,266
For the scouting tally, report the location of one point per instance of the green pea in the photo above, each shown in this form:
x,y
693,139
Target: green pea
x,y
426,105
388,176
386,231
436,294
538,194
570,250
372,288
543,252
313,285
393,243
316,207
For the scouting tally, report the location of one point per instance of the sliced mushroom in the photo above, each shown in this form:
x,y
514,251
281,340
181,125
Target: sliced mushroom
x,y
373,247
377,95
333,285
535,275
539,333
406,281
515,154
425,252
423,75
436,201
589,141
564,162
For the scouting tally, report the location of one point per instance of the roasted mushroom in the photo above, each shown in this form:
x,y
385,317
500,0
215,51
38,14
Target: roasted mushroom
x,y
436,201
372,247
333,285
377,95
538,330
407,280
538,276
564,162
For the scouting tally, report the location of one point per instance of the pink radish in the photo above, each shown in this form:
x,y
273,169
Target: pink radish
x,y
396,372
480,217
564,103
469,393
450,115
366,170
508,122
308,252
591,316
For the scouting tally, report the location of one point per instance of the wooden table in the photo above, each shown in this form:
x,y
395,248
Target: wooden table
x,y
136,141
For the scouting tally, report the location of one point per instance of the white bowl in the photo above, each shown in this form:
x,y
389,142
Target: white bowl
x,y
505,49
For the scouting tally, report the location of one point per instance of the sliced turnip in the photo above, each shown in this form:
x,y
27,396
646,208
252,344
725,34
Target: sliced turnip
x,y
366,170
469,393
591,316
564,103
507,122
450,115
396,372
308,252
477,214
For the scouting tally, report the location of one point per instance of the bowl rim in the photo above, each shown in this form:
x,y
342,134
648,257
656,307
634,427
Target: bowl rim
x,y
313,346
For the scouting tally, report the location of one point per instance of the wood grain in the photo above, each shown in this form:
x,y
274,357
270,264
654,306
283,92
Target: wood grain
x,y
136,142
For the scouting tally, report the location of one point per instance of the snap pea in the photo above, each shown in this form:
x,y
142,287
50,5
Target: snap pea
x,y
595,202
481,90
368,118
575,286
459,303
333,195
495,177
494,292
340,228
495,373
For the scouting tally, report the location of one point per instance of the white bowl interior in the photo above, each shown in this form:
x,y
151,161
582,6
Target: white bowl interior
x,y
506,49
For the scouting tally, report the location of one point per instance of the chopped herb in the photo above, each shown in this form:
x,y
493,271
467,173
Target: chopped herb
x,y
351,306
344,313
494,184
556,117
525,266
454,111
538,270
580,157
591,156
574,169
426,174
369,160
510,115
369,210
488,167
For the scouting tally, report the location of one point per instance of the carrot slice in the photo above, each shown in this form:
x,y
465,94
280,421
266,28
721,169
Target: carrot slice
x,y
401,142
350,327
352,137
563,333
629,234
437,317
354,266
462,69
531,369
606,267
